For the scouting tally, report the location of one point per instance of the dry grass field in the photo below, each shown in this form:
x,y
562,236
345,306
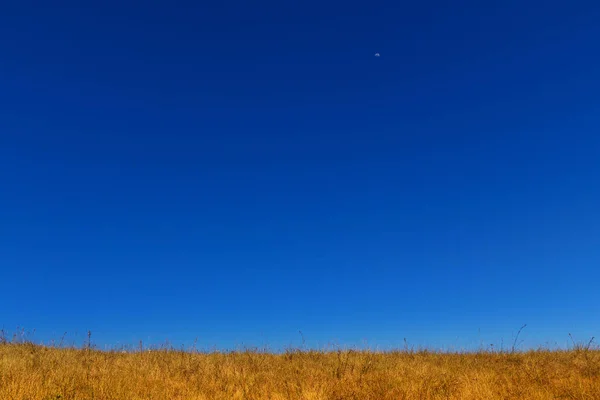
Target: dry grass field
x,y
33,372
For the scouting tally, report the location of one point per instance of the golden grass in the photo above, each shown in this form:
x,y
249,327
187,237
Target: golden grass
x,y
32,372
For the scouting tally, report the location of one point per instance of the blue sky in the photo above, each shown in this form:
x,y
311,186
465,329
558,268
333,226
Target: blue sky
x,y
240,172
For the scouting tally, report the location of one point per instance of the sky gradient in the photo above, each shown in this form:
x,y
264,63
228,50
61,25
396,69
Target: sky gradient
x,y
240,172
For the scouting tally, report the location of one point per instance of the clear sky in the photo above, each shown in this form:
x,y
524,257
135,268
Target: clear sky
x,y
240,171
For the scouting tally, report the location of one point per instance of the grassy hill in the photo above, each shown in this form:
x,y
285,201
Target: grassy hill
x,y
33,372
